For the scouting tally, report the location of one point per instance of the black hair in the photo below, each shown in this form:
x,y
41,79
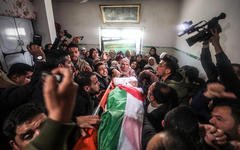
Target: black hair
x,y
149,68
191,72
31,43
171,63
95,66
56,57
173,141
72,45
236,65
83,79
133,60
154,48
19,69
91,52
46,46
139,55
233,104
183,120
146,79
20,115
168,96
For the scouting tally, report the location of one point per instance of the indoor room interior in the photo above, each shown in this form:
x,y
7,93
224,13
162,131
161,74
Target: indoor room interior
x,y
120,74
159,24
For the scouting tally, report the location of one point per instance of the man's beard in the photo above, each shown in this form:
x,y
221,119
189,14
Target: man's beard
x,y
233,134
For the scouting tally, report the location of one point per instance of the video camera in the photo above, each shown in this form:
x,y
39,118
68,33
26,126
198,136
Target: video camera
x,y
204,30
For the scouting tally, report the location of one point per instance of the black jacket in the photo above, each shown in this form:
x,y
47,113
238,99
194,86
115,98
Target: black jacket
x,y
104,81
84,105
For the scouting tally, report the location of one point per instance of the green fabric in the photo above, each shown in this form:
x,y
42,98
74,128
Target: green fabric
x,y
181,87
53,136
111,120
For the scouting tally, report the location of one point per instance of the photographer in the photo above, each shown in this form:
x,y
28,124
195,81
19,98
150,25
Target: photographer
x,y
59,42
223,68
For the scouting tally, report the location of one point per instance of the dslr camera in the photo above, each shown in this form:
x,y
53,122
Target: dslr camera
x,y
203,29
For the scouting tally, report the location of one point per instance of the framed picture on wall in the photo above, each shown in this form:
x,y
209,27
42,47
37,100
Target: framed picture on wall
x,y
127,13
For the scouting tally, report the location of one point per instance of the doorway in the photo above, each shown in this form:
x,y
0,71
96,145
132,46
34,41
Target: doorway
x,y
121,39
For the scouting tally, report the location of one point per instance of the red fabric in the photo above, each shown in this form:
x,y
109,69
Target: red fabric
x,y
105,96
134,92
87,143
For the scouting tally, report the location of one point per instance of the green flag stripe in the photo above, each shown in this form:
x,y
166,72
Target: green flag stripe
x,y
111,120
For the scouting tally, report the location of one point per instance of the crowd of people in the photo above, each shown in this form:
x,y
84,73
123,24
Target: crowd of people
x,y
49,105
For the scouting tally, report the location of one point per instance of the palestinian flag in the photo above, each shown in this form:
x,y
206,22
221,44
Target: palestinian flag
x,y
121,123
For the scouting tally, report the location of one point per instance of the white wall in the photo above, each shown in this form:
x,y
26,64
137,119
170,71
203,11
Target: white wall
x,y
158,18
197,10
44,24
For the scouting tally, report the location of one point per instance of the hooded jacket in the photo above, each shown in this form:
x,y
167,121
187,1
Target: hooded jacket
x,y
177,82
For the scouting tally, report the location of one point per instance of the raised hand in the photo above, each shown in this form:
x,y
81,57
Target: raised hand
x,y
217,90
60,97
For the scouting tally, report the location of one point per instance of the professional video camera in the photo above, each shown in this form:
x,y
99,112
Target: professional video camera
x,y
204,30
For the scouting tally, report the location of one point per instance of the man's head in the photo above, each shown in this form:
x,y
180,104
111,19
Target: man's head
x,y
166,67
73,52
20,73
183,120
59,58
83,50
101,69
93,53
226,116
48,46
22,125
88,82
159,93
169,140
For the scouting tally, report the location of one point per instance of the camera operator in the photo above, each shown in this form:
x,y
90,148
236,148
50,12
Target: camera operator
x,y
76,41
223,69
58,40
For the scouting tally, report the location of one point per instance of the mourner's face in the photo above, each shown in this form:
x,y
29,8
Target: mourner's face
x,y
95,85
68,63
134,65
222,119
124,66
161,69
151,62
23,79
152,52
95,54
27,131
74,53
102,70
